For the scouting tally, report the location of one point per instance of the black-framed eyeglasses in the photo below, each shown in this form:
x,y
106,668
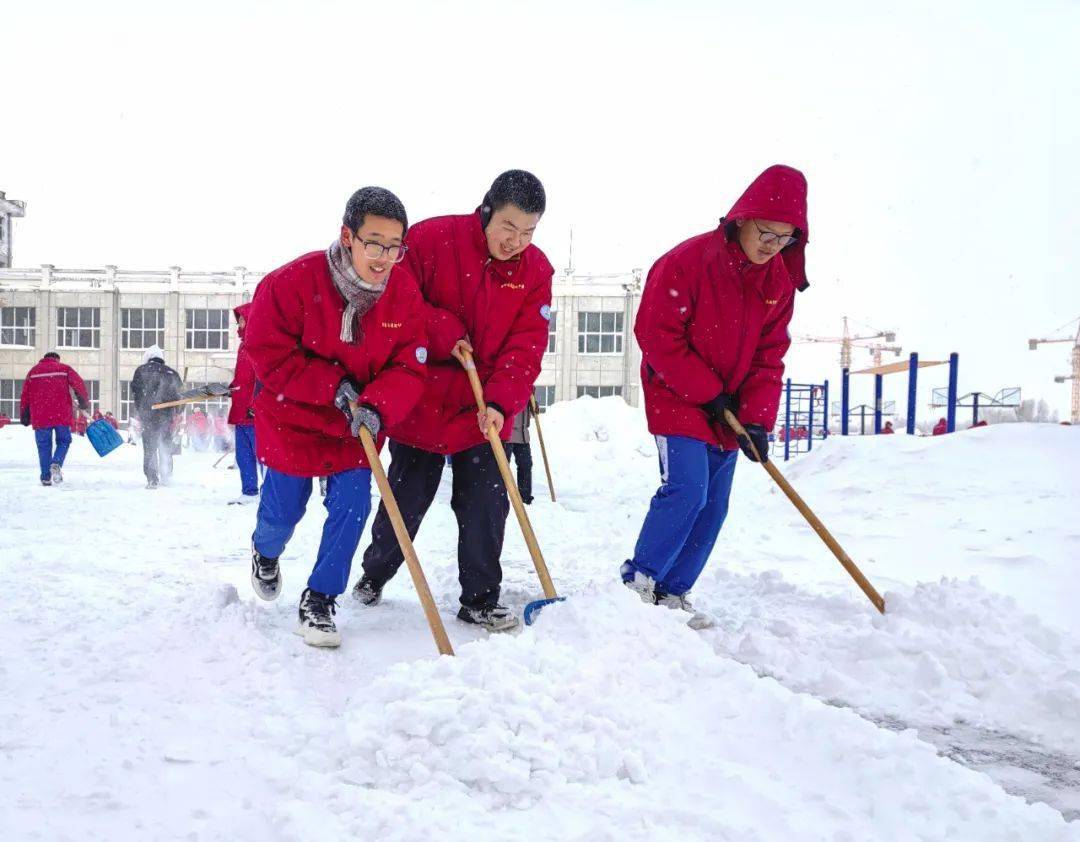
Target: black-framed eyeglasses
x,y
767,237
374,250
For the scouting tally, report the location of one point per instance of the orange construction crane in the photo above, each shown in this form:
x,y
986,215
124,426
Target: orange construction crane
x,y
1075,376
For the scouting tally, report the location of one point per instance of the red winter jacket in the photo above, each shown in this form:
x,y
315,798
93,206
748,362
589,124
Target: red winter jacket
x,y
710,321
47,393
503,306
243,382
941,427
294,342
198,423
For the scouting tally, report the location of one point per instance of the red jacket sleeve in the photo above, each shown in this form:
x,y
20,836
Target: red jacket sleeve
x,y
518,364
443,328
759,394
395,390
661,331
77,384
273,342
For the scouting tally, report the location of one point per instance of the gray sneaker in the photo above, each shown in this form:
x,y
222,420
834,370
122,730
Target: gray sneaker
x,y
265,576
55,473
497,618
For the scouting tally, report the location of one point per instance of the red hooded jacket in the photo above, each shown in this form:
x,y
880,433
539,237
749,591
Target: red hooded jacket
x,y
243,382
47,393
294,343
710,321
503,306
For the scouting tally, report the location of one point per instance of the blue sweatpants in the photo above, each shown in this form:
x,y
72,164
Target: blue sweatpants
x,y
46,454
685,514
348,504
245,459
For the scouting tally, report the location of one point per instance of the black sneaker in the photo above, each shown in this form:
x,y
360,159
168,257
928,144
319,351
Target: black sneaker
x,y
46,482
497,618
317,619
265,576
367,592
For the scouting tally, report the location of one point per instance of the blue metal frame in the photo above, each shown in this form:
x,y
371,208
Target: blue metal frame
x,y
912,388
879,389
954,366
845,400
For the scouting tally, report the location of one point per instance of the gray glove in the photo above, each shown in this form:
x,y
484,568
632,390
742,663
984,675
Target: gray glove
x,y
365,416
346,393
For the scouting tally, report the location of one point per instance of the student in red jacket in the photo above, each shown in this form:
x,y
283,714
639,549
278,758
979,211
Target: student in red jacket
x,y
941,427
46,404
241,413
888,430
337,341
713,331
488,290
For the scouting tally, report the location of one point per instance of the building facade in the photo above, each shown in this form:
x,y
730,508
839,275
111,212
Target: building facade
x,y
9,209
101,321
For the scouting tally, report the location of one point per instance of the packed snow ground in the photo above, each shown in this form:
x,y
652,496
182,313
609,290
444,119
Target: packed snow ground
x,y
146,694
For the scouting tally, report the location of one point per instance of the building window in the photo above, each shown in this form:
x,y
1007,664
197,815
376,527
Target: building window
x,y
551,332
78,327
93,391
599,391
18,326
142,328
126,403
208,330
545,396
10,392
600,333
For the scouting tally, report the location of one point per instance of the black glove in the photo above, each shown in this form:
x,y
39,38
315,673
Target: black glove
x,y
760,437
715,408
251,412
24,417
365,416
346,392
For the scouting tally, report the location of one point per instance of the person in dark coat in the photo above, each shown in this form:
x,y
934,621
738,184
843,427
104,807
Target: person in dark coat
x,y
519,449
338,343
713,331
46,405
153,383
487,290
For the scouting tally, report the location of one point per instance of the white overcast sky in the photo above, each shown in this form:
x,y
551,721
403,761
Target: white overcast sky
x,y
939,140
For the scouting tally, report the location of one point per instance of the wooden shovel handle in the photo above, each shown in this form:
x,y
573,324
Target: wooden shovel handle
x,y
811,518
543,450
508,481
438,630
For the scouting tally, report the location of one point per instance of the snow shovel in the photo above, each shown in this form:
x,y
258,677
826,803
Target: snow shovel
x,y
210,390
543,450
811,518
438,631
550,595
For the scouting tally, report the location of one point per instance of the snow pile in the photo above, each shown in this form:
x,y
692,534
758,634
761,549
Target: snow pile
x,y
945,652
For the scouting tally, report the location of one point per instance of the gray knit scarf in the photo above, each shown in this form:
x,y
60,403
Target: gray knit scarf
x,y
359,296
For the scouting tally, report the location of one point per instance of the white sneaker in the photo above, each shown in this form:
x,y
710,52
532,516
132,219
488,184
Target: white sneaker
x,y
55,473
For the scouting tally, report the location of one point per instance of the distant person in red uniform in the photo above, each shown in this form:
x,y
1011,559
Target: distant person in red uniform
x,y
46,405
941,427
888,430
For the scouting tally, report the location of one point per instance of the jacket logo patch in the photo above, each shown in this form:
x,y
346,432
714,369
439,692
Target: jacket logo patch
x,y
392,325
512,286
545,312
772,301
421,354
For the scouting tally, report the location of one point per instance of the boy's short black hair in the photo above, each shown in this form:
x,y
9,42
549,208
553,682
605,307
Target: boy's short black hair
x,y
52,355
377,201
519,188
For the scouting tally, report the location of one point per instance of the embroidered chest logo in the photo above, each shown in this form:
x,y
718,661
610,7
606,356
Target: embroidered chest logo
x,y
772,301
511,286
392,325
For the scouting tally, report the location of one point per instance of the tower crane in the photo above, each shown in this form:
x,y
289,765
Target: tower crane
x,y
846,342
1075,376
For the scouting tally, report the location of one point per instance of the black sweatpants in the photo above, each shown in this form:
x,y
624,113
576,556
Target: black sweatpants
x,y
479,502
522,454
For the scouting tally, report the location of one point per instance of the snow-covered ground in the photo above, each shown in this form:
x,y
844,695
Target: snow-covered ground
x,y
145,693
